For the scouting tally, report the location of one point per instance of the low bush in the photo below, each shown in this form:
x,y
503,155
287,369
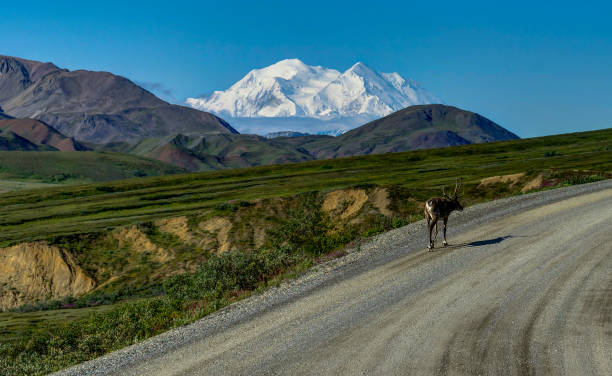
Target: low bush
x,y
230,272
398,222
225,207
582,179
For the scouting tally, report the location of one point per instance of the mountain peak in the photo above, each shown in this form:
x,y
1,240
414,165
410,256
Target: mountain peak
x,y
285,68
291,62
290,88
290,69
359,66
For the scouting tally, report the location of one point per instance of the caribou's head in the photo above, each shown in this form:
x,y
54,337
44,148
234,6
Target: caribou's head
x,y
454,200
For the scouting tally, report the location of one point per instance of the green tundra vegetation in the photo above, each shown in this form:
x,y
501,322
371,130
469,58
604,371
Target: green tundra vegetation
x,y
32,168
178,279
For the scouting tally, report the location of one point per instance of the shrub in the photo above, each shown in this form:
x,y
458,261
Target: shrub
x,y
105,188
398,222
225,206
305,229
582,179
229,272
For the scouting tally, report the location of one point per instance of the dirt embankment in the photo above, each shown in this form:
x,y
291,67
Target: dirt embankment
x,y
347,203
508,179
35,271
536,183
219,229
31,272
138,242
513,180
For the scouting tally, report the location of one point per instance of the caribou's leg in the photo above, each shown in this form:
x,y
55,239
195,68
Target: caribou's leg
x,y
445,243
429,228
436,233
434,223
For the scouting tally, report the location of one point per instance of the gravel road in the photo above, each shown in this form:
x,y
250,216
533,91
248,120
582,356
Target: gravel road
x,y
525,287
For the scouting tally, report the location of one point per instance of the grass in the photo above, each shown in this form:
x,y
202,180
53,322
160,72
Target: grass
x,y
75,216
14,185
13,323
77,167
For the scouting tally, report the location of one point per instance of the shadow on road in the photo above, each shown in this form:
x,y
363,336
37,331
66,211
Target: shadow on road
x,y
479,243
488,241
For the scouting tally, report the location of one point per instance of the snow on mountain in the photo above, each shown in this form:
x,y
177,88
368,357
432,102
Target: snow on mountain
x,y
359,90
279,90
292,89
411,89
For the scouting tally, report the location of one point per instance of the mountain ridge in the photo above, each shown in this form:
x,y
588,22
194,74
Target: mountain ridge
x,y
95,106
415,127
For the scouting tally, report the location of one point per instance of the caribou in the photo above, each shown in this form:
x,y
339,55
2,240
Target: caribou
x,y
440,208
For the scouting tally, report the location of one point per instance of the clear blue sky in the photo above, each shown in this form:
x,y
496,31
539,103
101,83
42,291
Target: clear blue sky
x,y
534,68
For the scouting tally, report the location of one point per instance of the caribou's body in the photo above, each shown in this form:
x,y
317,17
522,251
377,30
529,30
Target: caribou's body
x,y
437,208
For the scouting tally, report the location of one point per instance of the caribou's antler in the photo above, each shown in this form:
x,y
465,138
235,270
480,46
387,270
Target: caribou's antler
x,y
457,186
444,193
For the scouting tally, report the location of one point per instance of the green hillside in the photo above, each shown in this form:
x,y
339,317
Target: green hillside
x,y
215,151
77,167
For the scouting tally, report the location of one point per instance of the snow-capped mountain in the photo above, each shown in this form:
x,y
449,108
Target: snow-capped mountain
x,y
280,90
290,89
361,90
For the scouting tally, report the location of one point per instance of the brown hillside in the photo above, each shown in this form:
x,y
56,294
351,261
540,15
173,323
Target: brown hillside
x,y
415,127
96,107
40,133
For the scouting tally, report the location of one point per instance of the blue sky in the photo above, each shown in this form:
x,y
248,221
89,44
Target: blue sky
x,y
534,68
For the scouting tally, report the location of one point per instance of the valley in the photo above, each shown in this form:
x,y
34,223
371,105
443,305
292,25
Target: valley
x,y
22,169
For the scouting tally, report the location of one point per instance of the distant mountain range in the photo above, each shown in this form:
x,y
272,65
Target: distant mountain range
x,y
326,97
415,127
95,107
45,108
285,134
